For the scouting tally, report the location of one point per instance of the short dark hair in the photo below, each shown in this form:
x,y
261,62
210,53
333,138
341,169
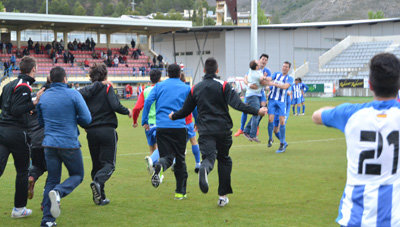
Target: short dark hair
x,y
264,55
98,72
57,74
384,74
155,75
27,64
211,66
287,62
174,71
253,65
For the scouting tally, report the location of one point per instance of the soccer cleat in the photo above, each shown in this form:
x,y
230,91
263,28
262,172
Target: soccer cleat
x,y
179,196
270,142
31,186
248,137
203,180
196,169
96,191
157,177
20,212
55,200
238,133
104,202
302,114
255,139
223,201
149,163
48,224
282,148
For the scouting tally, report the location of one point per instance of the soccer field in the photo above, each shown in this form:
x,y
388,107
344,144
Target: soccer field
x,y
301,187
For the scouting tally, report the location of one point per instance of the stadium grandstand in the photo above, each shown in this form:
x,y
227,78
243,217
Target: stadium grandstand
x,y
349,59
132,66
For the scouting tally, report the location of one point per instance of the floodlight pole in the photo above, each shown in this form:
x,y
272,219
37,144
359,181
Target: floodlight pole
x,y
254,27
47,6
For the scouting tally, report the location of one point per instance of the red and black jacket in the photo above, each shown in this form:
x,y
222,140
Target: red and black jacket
x,y
16,102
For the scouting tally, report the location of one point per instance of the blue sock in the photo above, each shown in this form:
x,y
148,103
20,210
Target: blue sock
x,y
196,152
270,129
298,109
278,135
155,156
304,108
293,109
243,121
283,134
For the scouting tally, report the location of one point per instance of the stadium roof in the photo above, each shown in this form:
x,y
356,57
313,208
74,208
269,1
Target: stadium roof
x,y
22,21
295,25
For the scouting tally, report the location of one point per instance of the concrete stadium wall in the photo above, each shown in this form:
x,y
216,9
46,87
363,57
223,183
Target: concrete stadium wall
x,y
232,48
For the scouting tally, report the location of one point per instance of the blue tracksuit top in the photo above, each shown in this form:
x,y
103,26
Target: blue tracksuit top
x,y
60,109
169,96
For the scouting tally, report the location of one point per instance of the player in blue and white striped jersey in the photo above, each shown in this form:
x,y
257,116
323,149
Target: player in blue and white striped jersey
x,y
277,103
297,95
372,193
305,89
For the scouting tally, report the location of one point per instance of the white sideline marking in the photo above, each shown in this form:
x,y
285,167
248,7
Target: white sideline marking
x,y
237,146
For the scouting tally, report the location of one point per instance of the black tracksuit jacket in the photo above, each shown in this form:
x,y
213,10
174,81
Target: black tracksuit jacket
x,y
16,102
212,96
103,103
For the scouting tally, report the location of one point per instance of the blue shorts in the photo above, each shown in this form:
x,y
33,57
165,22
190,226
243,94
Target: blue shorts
x,y
296,101
190,130
277,108
151,135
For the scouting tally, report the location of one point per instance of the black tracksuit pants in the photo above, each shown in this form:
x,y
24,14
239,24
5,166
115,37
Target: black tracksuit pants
x,y
38,166
102,143
15,141
217,147
171,144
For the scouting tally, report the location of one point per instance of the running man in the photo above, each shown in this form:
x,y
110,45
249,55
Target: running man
x,y
372,193
212,97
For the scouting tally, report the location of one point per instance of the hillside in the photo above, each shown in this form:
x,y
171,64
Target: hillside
x,y
290,11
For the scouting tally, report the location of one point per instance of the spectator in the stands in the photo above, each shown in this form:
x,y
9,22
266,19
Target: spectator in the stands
x,y
154,60
48,48
37,48
92,44
135,55
126,49
125,59
71,58
18,53
41,48
94,55
87,42
120,59
61,44
133,43
116,61
9,47
25,52
109,52
86,63
70,46
66,57
13,60
75,43
30,44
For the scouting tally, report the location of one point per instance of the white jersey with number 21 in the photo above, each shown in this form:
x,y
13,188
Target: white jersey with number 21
x,y
372,193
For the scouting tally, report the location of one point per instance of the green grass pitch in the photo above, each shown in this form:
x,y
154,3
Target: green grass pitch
x,y
301,187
